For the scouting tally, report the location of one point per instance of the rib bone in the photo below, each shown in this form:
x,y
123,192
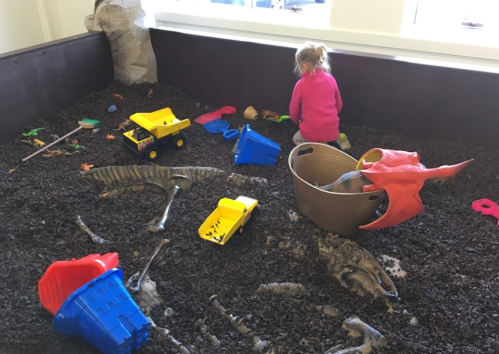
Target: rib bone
x,y
140,275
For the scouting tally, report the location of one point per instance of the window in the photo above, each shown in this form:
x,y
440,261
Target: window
x,y
475,14
469,22
140,134
426,29
311,13
287,5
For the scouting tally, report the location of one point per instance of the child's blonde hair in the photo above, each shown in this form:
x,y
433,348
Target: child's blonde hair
x,y
315,55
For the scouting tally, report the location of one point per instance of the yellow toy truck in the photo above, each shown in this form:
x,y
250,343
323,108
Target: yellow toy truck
x,y
155,131
230,216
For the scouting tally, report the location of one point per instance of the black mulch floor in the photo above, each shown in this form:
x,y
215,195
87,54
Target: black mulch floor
x,y
449,251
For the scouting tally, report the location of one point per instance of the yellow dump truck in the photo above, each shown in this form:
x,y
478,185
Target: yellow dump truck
x,y
154,132
230,216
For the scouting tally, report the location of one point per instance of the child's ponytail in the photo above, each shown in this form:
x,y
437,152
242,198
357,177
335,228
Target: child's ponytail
x,y
315,55
322,57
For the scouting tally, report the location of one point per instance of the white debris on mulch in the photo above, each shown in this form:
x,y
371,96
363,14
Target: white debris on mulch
x,y
293,216
148,297
396,270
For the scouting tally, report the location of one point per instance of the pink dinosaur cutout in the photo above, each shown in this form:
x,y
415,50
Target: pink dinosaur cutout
x,y
402,176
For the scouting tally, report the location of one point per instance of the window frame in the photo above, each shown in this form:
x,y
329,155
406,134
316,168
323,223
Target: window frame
x,y
202,12
449,32
410,43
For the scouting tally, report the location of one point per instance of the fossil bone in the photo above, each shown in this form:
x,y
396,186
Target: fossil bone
x,y
181,182
160,224
166,333
239,325
121,179
95,238
356,327
201,326
134,188
116,176
52,153
168,313
355,268
240,180
282,288
137,277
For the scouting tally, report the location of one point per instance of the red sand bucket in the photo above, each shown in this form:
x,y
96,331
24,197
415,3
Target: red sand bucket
x,y
64,277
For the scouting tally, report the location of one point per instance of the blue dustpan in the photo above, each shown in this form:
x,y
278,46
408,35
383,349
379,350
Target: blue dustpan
x,y
220,126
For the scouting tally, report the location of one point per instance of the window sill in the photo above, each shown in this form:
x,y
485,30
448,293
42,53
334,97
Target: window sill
x,y
270,27
240,17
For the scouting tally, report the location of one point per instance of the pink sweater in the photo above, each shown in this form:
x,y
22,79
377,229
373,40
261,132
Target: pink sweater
x,y
316,102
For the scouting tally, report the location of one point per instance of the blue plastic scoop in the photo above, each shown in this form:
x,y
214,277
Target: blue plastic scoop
x,y
221,126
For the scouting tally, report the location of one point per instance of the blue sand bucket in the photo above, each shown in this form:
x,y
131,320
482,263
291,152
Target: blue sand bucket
x,y
256,149
104,314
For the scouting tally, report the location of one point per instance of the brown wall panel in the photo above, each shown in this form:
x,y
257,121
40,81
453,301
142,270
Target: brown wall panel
x,y
40,80
418,100
220,72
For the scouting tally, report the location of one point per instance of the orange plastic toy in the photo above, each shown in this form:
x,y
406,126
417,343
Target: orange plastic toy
x,y
86,166
402,176
63,277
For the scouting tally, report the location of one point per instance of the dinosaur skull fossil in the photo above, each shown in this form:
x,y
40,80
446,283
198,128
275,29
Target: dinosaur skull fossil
x,y
355,268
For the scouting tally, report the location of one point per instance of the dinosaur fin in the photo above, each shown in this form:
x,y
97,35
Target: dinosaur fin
x,y
402,205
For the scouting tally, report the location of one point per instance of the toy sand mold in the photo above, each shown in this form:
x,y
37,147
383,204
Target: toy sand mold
x,y
314,164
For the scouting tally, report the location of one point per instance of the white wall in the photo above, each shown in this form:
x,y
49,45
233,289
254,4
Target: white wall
x,y
65,18
24,23
379,16
19,25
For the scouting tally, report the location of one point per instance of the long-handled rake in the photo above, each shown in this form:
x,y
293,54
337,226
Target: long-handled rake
x,y
83,124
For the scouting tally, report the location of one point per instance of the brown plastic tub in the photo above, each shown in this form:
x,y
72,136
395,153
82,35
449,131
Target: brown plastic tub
x,y
313,164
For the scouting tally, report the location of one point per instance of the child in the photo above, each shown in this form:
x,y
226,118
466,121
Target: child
x,y
316,99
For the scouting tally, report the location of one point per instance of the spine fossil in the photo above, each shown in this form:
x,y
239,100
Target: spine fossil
x,y
282,288
113,176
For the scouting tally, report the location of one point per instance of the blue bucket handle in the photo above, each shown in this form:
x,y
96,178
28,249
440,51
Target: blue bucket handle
x,y
231,134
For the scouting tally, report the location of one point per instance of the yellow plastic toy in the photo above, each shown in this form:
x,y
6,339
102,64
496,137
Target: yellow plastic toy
x,y
156,130
230,216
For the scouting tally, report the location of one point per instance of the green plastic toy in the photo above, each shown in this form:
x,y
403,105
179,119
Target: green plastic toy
x,y
276,118
33,132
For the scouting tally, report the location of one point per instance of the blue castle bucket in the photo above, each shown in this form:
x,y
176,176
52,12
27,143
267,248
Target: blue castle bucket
x,y
104,314
256,149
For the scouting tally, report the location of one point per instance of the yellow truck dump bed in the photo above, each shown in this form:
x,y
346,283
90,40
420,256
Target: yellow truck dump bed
x,y
230,216
160,123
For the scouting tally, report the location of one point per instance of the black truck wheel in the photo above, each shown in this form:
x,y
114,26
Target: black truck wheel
x,y
152,153
179,141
